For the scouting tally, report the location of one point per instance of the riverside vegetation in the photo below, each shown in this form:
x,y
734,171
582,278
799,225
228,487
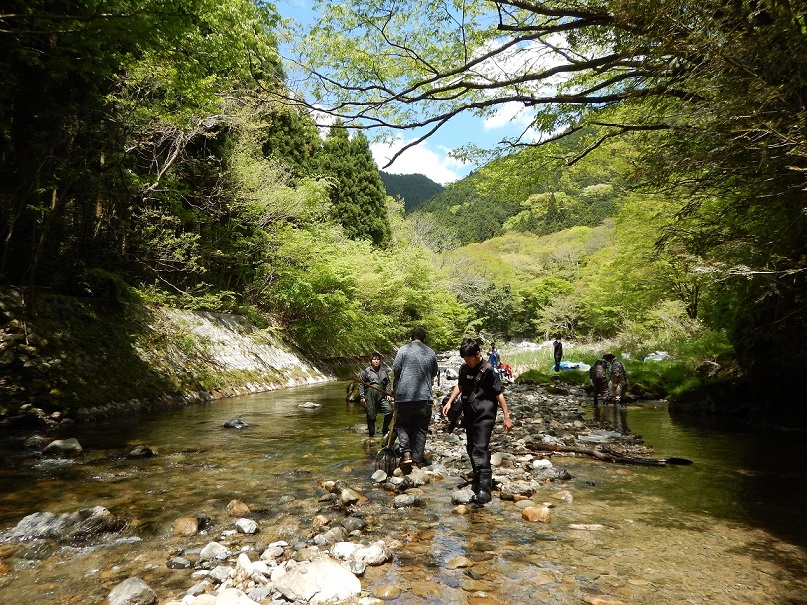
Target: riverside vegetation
x,y
182,169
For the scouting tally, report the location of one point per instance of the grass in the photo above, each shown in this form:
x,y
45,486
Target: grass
x,y
646,379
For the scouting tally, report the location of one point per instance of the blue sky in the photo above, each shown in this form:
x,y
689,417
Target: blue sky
x,y
431,157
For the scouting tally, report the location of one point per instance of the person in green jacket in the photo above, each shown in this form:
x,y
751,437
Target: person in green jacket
x,y
375,402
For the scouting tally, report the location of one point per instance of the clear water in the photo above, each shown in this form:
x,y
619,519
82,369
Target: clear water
x,y
727,529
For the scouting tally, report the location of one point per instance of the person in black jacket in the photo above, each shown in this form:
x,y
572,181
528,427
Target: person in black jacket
x,y
373,400
480,390
557,350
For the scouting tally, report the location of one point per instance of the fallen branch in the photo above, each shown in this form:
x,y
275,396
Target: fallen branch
x,y
606,455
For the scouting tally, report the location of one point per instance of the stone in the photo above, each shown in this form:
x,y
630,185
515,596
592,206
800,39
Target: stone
x,y
64,447
246,526
214,552
387,591
185,526
132,591
536,513
237,508
321,580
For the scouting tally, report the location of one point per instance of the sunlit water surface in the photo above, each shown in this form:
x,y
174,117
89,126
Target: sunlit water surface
x,y
730,528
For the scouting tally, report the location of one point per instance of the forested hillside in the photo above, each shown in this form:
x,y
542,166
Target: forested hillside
x,y
534,191
707,96
157,156
414,189
656,193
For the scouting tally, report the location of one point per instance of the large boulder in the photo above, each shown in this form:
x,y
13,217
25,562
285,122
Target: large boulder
x,y
81,524
319,581
132,591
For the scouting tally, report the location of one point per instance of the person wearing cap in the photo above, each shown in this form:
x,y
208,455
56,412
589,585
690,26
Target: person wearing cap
x,y
372,381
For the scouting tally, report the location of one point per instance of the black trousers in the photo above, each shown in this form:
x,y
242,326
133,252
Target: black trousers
x,y
411,427
478,419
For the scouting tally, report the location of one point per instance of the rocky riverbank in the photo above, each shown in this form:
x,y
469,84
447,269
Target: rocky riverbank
x,y
342,541
65,359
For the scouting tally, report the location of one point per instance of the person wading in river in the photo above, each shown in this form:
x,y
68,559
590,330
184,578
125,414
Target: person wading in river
x,y
619,378
598,374
414,369
373,400
480,390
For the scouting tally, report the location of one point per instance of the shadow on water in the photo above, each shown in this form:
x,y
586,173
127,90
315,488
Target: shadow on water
x,y
743,473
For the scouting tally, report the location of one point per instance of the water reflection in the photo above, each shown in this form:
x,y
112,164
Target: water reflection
x,y
615,416
748,474
736,511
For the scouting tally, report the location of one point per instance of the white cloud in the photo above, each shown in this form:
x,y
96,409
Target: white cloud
x,y
437,164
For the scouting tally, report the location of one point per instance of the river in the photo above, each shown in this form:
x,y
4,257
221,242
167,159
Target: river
x,y
730,528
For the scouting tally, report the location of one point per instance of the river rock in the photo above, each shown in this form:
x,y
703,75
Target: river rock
x,y
237,508
132,591
352,524
141,451
233,596
185,526
536,513
63,447
510,489
77,525
350,496
213,551
387,592
236,423
322,579
246,526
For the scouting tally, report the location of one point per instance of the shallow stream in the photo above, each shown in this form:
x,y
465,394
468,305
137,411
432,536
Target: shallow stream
x,y
730,528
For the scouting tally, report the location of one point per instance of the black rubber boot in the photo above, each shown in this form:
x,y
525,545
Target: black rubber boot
x,y
387,421
485,486
371,427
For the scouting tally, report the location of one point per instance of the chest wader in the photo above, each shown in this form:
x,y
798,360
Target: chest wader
x,y
479,416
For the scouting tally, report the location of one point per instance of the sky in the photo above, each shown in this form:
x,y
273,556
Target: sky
x,y
431,157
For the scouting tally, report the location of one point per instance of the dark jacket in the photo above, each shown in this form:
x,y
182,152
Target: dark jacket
x,y
379,379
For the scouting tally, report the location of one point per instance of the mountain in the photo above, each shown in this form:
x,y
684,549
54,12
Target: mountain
x,y
413,188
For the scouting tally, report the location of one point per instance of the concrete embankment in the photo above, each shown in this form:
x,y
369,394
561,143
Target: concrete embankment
x,y
79,359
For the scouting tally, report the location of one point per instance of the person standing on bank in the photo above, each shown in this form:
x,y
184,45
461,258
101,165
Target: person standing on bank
x,y
619,378
557,347
414,369
373,400
480,390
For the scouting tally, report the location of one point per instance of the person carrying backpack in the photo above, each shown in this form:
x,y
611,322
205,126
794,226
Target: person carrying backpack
x,y
598,374
479,388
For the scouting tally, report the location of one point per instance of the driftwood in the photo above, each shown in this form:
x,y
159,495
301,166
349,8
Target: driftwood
x,y
606,455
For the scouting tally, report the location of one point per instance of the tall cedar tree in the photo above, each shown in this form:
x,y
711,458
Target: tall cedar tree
x,y
357,196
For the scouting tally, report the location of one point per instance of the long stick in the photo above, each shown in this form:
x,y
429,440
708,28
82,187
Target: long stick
x,y
372,387
607,455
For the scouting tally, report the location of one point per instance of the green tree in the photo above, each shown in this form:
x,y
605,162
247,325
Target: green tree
x,y
713,92
358,198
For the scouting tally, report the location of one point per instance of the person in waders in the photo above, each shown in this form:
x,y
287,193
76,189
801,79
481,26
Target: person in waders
x,y
415,368
619,378
479,388
598,374
375,402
